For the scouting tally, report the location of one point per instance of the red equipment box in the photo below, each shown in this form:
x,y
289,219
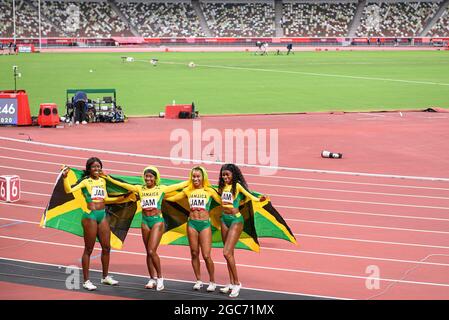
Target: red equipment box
x,y
9,188
14,108
48,115
172,111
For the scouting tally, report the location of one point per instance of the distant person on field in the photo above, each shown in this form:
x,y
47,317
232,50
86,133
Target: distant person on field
x,y
80,106
264,49
290,48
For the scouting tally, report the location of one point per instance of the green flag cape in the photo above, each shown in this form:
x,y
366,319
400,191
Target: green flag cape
x,y
64,212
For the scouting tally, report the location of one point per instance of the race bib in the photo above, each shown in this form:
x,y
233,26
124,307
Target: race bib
x,y
148,203
98,193
197,203
226,197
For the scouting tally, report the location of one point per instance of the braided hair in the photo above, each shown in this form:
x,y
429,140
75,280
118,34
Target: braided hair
x,y
237,177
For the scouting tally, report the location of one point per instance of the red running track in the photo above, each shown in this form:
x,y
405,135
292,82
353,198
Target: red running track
x,y
344,223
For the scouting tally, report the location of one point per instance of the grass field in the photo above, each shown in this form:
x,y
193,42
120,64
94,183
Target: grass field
x,y
240,82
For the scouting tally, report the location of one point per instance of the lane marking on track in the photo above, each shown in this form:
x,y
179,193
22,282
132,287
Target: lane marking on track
x,y
10,224
268,185
371,241
313,198
180,280
303,234
321,210
298,251
364,174
367,226
239,265
325,211
246,174
312,221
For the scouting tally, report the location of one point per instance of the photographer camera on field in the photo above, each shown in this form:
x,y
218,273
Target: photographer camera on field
x,y
79,102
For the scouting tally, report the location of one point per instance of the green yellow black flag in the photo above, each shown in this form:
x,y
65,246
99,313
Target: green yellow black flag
x,y
64,212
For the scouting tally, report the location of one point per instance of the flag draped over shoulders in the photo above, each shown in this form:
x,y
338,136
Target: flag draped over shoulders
x,y
64,212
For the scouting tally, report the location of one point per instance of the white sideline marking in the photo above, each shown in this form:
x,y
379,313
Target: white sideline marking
x,y
317,74
219,162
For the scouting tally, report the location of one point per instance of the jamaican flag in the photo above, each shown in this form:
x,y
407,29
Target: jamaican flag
x,y
261,220
64,210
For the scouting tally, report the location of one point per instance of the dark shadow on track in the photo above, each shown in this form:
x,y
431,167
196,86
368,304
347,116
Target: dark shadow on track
x,y
54,277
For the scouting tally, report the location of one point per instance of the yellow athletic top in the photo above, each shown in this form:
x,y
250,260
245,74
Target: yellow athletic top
x,y
150,198
198,198
94,190
228,200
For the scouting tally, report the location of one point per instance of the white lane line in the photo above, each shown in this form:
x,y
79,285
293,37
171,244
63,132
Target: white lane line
x,y
299,234
296,251
313,221
366,226
364,202
268,185
246,174
320,209
179,280
277,195
326,211
371,241
317,74
328,274
364,174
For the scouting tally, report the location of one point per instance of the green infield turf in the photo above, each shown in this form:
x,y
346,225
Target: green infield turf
x,y
240,82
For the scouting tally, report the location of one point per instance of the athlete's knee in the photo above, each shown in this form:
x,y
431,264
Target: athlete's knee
x,y
88,250
194,253
106,249
228,253
207,257
151,252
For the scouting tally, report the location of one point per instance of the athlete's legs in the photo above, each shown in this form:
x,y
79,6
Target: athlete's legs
x,y
90,235
104,235
205,238
192,235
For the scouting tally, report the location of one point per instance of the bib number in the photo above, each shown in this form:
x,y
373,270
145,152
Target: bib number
x,y
148,203
98,193
227,197
197,203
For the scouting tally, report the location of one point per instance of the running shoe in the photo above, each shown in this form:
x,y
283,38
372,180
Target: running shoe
x,y
211,287
84,122
235,290
226,289
198,285
160,284
150,284
108,280
89,286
